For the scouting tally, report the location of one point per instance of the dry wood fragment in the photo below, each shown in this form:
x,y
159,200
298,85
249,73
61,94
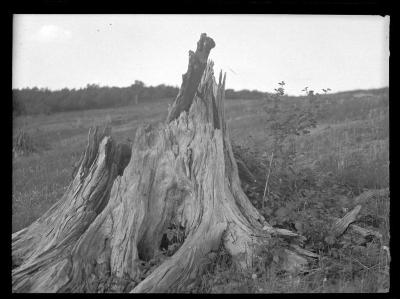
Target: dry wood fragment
x,y
342,224
365,196
304,252
365,232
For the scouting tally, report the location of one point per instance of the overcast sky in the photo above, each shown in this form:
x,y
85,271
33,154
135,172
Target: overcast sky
x,y
256,51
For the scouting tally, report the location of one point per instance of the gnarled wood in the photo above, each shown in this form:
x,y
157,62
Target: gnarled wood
x,y
41,251
181,173
191,80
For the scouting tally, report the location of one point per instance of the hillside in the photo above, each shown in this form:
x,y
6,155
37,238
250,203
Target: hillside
x,y
345,154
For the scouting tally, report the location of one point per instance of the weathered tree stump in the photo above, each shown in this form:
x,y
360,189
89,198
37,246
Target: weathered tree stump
x,y
121,202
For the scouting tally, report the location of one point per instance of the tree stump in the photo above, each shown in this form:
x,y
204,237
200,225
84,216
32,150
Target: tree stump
x,y
121,202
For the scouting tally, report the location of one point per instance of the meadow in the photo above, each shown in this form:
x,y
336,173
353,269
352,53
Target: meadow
x,y
345,154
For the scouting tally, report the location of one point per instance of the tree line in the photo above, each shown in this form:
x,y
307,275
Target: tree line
x,y
35,100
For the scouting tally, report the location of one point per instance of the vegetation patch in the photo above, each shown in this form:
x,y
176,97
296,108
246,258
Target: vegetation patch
x,y
312,178
24,145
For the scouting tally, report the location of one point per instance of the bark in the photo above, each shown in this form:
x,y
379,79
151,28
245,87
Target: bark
x,y
41,252
120,204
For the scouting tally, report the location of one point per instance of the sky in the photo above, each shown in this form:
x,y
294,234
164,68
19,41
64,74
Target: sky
x,y
256,51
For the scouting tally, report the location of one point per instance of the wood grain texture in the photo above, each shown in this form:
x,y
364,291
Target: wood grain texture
x,y
119,206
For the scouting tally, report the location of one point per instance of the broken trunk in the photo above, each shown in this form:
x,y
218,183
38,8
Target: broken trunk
x,y
121,203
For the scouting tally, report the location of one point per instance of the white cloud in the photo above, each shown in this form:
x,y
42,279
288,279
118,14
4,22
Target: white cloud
x,y
50,33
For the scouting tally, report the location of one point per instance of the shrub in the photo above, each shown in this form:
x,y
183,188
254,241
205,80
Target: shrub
x,y
24,144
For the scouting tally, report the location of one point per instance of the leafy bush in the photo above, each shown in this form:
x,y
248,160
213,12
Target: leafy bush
x,y
338,163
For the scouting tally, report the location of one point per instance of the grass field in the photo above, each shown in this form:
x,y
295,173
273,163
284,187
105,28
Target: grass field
x,y
346,154
40,178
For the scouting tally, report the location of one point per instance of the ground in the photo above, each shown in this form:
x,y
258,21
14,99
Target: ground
x,y
344,155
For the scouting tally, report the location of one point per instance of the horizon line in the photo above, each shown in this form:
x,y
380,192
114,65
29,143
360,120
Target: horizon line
x,y
175,86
